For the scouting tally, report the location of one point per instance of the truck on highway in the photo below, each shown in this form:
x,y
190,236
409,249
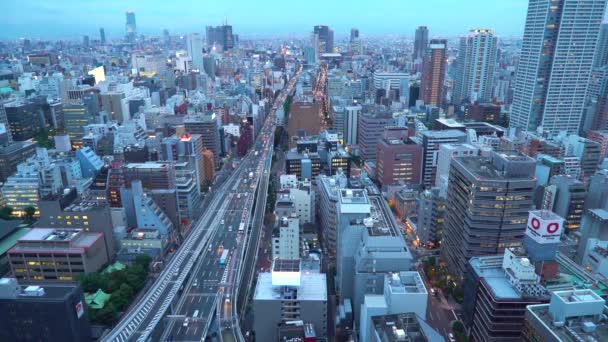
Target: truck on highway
x,y
251,175
224,257
242,227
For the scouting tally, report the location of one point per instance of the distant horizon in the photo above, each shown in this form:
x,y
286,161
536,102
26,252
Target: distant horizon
x,y
72,19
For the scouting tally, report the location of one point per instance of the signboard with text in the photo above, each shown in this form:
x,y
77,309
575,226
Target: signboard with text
x,y
544,228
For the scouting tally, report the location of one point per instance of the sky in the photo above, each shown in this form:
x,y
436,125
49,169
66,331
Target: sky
x,y
64,19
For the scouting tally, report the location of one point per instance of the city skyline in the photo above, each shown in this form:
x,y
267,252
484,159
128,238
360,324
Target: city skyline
x,y
505,18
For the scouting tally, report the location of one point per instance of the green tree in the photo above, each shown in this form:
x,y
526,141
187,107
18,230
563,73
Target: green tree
x,y
143,260
29,214
6,212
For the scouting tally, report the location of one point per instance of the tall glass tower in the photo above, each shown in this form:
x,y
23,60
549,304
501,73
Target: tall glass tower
x,y
555,64
130,26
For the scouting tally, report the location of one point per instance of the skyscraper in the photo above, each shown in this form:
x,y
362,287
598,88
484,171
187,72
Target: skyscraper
x,y
102,35
421,40
433,73
555,64
324,38
601,53
195,50
487,207
354,34
475,69
131,28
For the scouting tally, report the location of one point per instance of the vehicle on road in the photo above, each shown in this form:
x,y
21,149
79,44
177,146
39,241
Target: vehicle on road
x,y
238,196
195,283
195,314
224,257
451,337
222,222
242,227
229,228
250,174
186,321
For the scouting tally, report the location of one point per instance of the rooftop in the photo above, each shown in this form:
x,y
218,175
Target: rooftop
x,y
313,286
405,282
404,327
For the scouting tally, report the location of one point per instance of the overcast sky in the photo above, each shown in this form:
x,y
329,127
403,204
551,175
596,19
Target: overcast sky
x,y
74,18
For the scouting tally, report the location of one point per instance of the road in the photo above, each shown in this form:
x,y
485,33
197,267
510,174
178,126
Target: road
x,y
213,288
194,276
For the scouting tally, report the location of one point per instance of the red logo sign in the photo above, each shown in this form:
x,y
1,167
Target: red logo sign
x,y
552,227
535,223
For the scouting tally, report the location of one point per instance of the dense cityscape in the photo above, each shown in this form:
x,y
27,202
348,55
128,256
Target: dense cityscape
x,y
327,186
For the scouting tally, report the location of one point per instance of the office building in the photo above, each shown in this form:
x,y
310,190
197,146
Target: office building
x,y
131,27
597,193
289,294
588,151
570,316
403,292
24,119
75,118
13,155
66,210
475,70
370,245
90,163
487,205
102,36
431,217
398,162
328,210
421,42
431,142
21,191
194,45
447,152
484,112
559,44
286,242
206,125
433,73
57,254
498,290
305,165
49,312
594,225
324,39
143,212
370,130
402,327
569,201
351,123
153,175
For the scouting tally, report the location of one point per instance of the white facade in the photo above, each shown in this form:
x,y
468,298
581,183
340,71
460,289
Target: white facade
x,y
351,124
195,50
286,246
444,158
476,62
555,64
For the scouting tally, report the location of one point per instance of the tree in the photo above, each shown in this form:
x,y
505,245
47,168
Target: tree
x,y
29,213
143,260
6,212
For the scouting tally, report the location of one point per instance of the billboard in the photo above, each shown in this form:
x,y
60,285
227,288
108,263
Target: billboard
x,y
544,226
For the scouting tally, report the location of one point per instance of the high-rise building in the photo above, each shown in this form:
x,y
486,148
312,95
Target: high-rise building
x,y
72,251
350,124
421,42
569,201
289,293
553,73
571,315
487,205
355,45
475,67
433,72
601,52
195,50
431,217
286,243
324,37
102,35
498,290
398,162
86,41
131,27
431,142
49,312
370,130
207,126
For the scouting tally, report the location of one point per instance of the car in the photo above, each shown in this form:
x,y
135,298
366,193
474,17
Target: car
x,y
186,321
195,284
222,222
451,337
